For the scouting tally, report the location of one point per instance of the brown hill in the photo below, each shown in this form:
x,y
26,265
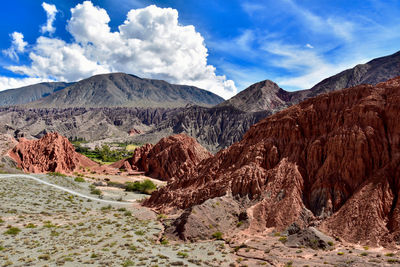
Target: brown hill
x,y
51,153
172,156
331,161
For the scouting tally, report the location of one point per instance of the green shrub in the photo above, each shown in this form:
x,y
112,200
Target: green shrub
x,y
30,225
79,180
182,254
12,231
146,187
283,239
128,263
217,235
56,174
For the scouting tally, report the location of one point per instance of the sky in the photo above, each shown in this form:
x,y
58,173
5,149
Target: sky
x,y
222,46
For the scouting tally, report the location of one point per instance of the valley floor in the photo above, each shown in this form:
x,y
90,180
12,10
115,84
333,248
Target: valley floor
x,y
43,225
56,221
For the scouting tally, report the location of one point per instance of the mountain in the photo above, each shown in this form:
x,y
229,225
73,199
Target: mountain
x,y
30,93
267,95
124,90
375,71
332,161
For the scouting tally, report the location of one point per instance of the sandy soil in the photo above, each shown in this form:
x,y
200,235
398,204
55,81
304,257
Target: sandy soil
x,y
43,226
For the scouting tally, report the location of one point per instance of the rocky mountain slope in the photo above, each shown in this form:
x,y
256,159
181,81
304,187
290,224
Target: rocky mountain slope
x,y
266,95
52,153
331,161
173,156
29,93
262,96
124,90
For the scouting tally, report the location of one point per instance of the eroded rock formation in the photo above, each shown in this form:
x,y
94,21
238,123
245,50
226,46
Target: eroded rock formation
x,y
51,153
331,161
173,156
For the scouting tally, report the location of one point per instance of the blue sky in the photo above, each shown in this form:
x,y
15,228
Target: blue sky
x,y
231,45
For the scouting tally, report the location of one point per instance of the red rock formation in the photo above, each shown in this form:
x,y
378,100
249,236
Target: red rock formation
x,y
133,132
332,161
51,153
172,156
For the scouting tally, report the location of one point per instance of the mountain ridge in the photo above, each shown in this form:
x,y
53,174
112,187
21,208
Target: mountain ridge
x,y
126,90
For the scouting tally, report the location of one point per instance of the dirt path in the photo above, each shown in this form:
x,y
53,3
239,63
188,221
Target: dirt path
x,y
25,176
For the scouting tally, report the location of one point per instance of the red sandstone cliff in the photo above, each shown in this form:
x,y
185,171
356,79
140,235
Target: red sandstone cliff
x,y
172,156
51,153
331,161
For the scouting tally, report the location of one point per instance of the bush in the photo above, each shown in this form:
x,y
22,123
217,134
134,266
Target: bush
x,y
217,235
146,187
79,180
12,231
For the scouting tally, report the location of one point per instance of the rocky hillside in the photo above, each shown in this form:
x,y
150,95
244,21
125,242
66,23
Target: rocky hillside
x,y
52,153
29,93
173,156
267,96
124,90
331,161
375,71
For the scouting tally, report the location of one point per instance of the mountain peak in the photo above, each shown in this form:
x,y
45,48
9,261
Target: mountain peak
x,y
125,90
261,96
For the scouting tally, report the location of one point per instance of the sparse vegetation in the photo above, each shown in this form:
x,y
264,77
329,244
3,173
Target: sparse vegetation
x,y
146,187
217,235
12,231
79,179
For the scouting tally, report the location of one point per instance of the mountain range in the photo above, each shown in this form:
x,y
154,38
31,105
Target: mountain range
x,y
110,105
111,90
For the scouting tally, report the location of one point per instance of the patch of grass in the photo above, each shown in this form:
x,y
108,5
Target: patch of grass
x,y
146,187
217,235
139,232
95,191
389,254
56,174
340,253
12,231
79,180
128,263
364,254
30,225
283,239
182,254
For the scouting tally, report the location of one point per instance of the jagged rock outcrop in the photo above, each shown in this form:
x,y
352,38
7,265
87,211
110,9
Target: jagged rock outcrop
x,y
51,153
173,156
332,161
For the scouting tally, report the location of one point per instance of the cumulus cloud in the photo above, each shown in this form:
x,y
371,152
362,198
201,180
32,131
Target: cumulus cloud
x,y
51,12
150,43
17,46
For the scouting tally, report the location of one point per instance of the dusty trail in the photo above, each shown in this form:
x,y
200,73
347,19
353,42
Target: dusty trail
x,y
5,176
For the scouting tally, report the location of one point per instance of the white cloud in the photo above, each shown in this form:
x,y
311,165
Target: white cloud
x,y
150,43
17,46
309,63
51,12
309,46
9,83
